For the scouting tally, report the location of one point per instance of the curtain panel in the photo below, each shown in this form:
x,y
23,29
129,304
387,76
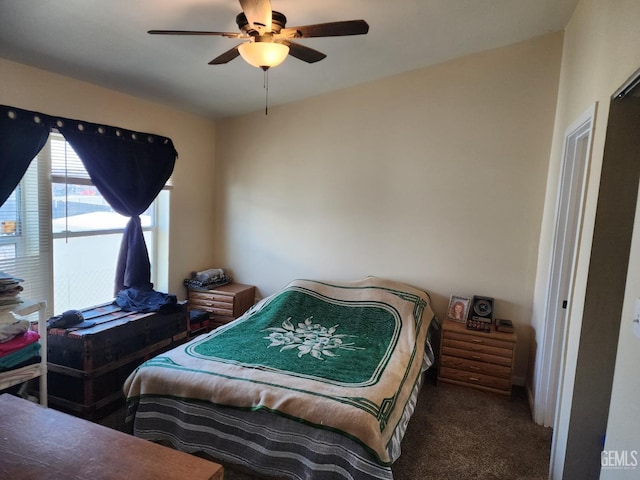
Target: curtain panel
x,y
22,136
128,168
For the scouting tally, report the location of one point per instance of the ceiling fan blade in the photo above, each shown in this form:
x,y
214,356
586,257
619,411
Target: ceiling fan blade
x,y
194,32
303,53
258,13
331,29
226,56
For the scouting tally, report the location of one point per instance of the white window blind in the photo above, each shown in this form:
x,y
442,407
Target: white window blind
x,y
66,165
28,248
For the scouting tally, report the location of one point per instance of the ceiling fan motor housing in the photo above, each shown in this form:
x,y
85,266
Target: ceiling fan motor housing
x,y
278,22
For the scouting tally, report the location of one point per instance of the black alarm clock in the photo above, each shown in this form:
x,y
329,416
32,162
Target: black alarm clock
x,y
482,309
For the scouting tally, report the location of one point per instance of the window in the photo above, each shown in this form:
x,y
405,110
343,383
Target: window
x,y
83,231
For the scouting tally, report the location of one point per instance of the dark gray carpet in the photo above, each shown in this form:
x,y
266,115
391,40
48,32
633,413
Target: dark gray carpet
x,y
459,433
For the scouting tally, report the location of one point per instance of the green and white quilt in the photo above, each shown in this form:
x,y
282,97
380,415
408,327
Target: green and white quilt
x,y
344,357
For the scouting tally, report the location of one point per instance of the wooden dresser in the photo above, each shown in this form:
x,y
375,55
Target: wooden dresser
x,y
225,303
477,359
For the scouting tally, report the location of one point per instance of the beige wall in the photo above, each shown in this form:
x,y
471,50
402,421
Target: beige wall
x,y
192,202
601,50
435,178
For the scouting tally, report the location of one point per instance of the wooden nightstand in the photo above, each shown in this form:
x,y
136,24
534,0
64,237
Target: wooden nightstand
x,y
225,303
477,359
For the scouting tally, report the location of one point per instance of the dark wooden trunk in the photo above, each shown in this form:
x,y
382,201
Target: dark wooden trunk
x,y
87,367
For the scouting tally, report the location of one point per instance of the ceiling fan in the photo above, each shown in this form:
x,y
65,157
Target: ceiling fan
x,y
268,41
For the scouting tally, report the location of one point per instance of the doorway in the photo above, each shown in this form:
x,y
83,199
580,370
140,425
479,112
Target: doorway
x,y
577,151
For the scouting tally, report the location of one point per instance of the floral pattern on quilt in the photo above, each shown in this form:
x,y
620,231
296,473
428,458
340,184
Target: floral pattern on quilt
x,y
309,338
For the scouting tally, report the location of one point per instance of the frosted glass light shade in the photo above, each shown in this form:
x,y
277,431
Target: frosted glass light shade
x,y
263,54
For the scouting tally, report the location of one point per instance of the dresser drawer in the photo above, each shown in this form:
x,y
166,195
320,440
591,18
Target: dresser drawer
x,y
477,356
478,340
211,306
480,379
478,348
474,366
211,297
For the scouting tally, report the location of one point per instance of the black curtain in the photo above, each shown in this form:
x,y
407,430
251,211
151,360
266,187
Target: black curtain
x,y
22,136
128,168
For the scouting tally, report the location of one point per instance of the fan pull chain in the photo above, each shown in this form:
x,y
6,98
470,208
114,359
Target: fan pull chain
x,y
266,91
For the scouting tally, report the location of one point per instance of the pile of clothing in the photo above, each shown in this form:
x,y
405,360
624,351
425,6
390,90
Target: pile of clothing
x,y
10,289
207,279
146,300
19,344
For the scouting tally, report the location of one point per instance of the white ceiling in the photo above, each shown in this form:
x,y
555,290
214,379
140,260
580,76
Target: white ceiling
x,y
105,42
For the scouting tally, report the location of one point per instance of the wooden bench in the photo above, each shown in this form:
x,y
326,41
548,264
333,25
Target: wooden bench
x,y
46,444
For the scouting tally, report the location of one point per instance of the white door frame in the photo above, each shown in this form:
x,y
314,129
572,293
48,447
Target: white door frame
x,y
569,214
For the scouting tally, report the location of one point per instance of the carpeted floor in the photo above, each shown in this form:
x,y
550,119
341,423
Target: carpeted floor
x,y
459,433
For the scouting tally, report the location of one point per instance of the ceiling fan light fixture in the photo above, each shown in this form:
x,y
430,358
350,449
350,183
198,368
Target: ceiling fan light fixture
x,y
263,55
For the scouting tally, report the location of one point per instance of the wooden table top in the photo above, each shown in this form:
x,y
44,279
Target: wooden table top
x,y
38,443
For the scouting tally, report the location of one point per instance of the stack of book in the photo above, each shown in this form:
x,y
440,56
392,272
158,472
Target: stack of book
x,y
10,289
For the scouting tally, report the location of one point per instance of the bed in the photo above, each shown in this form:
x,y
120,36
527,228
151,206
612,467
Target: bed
x,y
318,380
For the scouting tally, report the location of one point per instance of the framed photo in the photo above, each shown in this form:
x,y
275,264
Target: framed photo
x,y
458,308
